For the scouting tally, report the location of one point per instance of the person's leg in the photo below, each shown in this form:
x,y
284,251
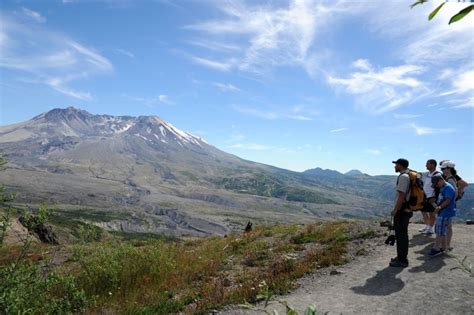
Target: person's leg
x,y
432,220
438,242
441,231
449,236
401,221
426,219
444,244
439,235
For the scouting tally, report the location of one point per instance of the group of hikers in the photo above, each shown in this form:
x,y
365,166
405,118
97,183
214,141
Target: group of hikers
x,y
440,191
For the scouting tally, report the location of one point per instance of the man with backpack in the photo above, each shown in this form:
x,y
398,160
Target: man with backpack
x,y
428,213
401,213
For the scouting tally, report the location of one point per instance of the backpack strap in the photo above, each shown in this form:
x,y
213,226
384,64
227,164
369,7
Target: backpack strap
x,y
447,179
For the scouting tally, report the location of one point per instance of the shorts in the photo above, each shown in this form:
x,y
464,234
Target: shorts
x,y
441,225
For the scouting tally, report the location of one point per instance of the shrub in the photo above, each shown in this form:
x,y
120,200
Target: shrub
x,y
24,290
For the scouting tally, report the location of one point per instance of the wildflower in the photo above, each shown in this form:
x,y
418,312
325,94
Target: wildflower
x,y
110,293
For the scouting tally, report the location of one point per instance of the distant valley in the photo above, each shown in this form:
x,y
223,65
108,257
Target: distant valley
x,y
143,175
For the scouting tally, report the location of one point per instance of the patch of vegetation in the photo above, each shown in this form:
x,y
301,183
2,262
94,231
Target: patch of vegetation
x,y
190,176
324,233
27,287
24,289
138,274
302,195
267,186
261,185
369,233
198,275
136,236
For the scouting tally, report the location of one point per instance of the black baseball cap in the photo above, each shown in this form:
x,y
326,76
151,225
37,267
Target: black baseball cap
x,y
402,162
436,178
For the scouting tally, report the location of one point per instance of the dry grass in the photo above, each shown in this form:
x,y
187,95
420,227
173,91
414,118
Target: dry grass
x,y
161,277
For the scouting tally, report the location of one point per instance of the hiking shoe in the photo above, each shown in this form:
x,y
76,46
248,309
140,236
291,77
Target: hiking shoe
x,y
397,263
435,252
428,231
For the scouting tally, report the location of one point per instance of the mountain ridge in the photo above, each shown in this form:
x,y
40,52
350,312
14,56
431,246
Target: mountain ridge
x,y
150,173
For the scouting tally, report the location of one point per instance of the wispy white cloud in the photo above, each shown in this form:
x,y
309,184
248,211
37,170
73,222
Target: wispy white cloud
x,y
271,115
49,58
272,35
250,146
439,37
338,130
58,85
299,117
306,111
373,151
111,4
418,38
434,45
125,52
216,65
164,99
407,116
236,137
226,87
383,90
150,102
460,91
91,57
362,64
424,131
215,45
461,83
464,103
35,16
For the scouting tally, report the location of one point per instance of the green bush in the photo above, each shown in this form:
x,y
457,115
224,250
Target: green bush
x,y
25,290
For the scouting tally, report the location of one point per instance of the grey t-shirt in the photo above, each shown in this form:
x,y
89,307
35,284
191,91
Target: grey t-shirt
x,y
403,184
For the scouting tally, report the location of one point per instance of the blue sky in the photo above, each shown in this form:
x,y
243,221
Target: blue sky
x,y
295,84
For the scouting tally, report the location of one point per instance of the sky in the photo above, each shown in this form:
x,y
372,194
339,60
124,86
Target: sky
x,y
295,84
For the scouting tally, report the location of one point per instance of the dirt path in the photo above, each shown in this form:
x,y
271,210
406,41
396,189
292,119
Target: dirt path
x,y
368,286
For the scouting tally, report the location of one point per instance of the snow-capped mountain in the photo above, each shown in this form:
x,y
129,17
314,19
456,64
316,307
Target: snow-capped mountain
x,y
72,122
164,177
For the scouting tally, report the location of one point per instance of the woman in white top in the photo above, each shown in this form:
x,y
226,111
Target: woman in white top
x,y
451,176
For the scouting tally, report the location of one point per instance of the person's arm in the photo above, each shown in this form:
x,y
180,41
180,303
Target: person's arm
x,y
442,205
462,184
399,202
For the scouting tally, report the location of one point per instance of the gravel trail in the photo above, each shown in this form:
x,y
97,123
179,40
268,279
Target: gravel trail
x,y
367,285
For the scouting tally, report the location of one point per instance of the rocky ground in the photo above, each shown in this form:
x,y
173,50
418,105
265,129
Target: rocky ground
x,y
367,285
